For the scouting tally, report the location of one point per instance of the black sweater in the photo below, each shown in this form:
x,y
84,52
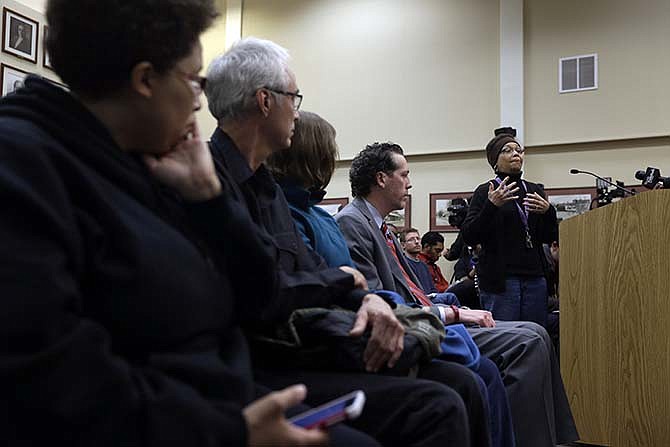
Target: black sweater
x,y
116,328
501,233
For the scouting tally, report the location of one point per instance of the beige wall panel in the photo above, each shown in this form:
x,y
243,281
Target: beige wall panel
x,y
37,5
423,73
633,95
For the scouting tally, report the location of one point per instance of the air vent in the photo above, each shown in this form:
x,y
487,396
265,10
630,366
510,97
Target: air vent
x,y
578,73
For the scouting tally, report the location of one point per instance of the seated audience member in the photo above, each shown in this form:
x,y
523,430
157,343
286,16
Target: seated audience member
x,y
116,328
432,246
303,171
379,177
511,218
412,248
254,96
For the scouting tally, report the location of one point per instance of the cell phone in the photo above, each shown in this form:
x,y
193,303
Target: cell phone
x,y
343,408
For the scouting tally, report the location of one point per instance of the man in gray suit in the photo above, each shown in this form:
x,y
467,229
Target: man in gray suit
x,y
379,177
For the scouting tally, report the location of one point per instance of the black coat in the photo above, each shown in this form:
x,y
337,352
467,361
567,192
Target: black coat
x,y
500,232
116,327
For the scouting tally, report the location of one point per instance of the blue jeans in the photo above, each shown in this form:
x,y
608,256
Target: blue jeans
x,y
524,299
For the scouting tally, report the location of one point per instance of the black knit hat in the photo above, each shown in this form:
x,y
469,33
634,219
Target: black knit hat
x,y
503,135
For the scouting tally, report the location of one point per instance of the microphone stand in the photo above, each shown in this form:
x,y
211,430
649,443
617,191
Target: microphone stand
x,y
626,190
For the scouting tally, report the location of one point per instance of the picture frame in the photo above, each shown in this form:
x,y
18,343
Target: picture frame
x,y
570,202
401,219
439,214
333,205
11,78
46,61
19,35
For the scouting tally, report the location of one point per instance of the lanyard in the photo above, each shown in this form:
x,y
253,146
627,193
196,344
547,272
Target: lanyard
x,y
523,213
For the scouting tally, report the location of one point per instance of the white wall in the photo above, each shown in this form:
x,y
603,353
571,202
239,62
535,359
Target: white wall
x,y
422,73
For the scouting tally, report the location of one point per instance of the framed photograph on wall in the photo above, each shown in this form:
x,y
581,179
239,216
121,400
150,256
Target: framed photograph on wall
x,y
570,202
334,205
19,35
11,78
402,219
45,56
439,210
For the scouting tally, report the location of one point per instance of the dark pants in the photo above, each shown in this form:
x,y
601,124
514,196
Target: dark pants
x,y
502,429
399,411
466,292
524,299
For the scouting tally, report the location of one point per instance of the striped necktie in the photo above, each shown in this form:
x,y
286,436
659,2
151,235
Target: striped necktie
x,y
418,294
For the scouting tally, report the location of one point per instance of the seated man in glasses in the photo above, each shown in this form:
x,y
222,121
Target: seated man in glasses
x,y
254,96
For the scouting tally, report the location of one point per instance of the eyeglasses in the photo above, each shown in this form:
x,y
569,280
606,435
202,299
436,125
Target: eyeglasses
x,y
508,150
196,82
415,239
297,97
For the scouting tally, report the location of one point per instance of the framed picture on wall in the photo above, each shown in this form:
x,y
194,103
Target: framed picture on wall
x,y
19,35
439,210
11,78
401,219
570,202
334,205
45,56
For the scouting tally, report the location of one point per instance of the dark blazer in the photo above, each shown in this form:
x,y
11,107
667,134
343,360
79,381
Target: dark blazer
x,y
370,253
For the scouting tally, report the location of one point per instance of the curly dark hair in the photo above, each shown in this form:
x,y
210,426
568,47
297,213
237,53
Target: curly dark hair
x,y
376,157
94,44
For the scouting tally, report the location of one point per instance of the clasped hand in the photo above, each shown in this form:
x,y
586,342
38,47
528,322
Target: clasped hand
x,y
535,203
387,338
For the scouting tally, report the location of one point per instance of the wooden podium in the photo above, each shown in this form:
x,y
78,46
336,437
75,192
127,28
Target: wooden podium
x,y
615,321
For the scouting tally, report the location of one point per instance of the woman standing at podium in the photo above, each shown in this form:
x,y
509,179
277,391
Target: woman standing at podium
x,y
511,219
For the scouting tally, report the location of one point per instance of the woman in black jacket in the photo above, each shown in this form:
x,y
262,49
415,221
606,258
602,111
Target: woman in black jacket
x,y
116,327
511,218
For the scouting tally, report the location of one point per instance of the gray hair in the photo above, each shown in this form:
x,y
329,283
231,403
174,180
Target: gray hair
x,y
234,77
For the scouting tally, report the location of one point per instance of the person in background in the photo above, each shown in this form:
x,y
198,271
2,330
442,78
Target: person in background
x,y
117,328
432,246
411,243
511,218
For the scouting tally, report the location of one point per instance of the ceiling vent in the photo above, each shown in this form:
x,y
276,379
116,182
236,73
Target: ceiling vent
x,y
578,73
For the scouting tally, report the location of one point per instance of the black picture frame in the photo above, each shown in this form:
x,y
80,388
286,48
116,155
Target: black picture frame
x,y
20,35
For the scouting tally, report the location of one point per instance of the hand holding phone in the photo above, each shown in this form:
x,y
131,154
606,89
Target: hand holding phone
x,y
344,408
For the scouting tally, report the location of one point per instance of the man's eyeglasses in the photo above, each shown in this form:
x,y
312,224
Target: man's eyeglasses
x,y
196,82
509,149
296,97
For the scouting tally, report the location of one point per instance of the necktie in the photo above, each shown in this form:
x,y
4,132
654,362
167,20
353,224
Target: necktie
x,y
419,295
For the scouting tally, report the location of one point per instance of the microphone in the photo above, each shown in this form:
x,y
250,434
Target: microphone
x,y
619,187
651,177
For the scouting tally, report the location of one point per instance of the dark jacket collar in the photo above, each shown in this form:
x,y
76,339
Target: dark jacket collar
x,y
225,149
298,196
